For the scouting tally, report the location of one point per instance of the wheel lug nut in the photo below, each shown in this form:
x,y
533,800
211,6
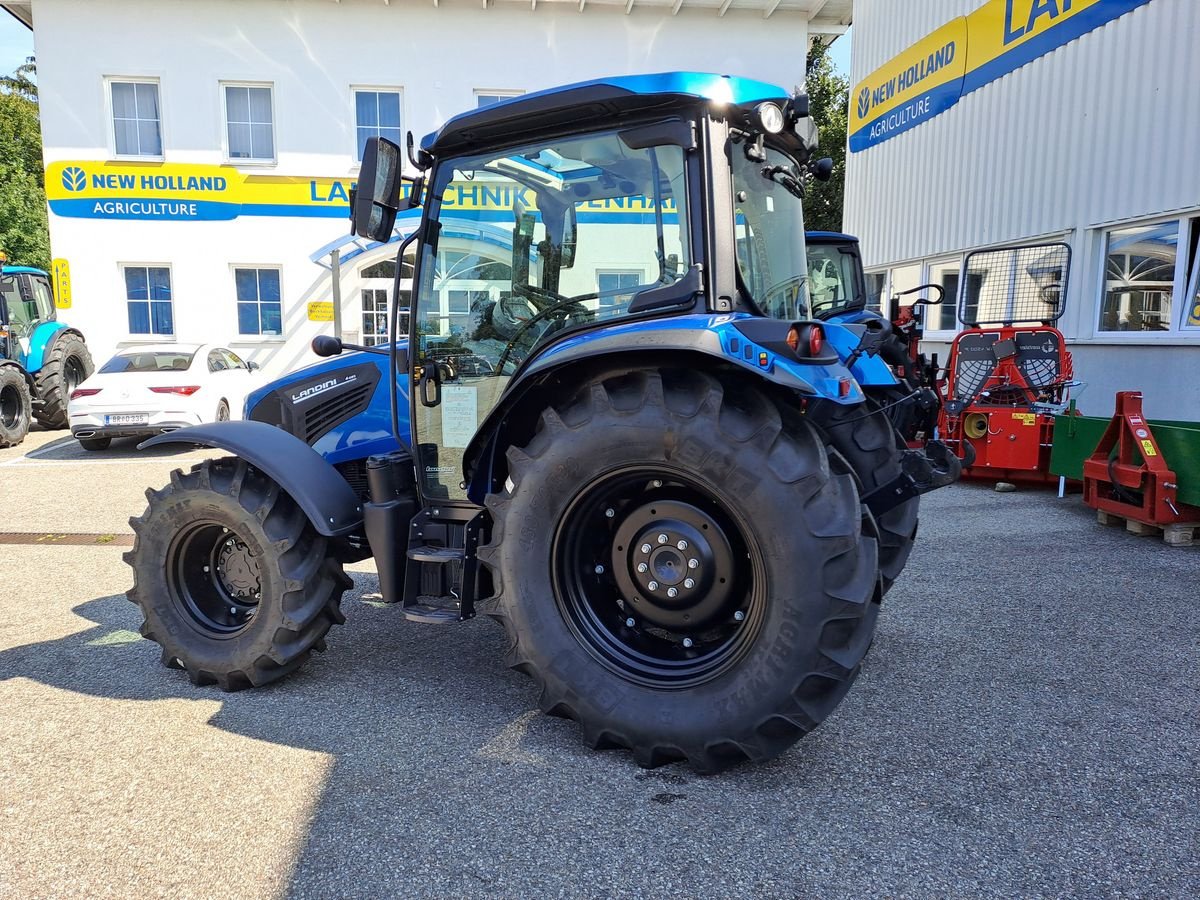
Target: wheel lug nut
x,y
599,570
206,568
693,563
689,583
610,512
662,538
653,585
642,567
656,482
646,548
738,616
629,622
682,545
687,642
233,610
671,592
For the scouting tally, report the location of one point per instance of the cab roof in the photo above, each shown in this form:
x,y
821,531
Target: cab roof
x,y
22,270
830,237
592,101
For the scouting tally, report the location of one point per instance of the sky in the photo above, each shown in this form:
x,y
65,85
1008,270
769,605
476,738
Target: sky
x,y
16,43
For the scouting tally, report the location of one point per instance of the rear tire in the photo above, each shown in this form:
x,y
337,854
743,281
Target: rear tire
x,y
15,415
865,437
66,365
770,635
235,584
222,412
95,443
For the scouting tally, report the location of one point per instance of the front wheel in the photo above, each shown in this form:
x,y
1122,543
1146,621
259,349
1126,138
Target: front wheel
x,y
680,571
67,364
235,584
15,416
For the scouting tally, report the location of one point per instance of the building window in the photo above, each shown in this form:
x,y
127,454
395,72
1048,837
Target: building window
x,y
137,124
876,290
376,114
148,299
249,122
488,97
1139,277
375,315
259,306
611,285
941,316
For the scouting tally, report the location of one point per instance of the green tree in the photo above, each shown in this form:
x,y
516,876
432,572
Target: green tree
x,y
829,104
24,233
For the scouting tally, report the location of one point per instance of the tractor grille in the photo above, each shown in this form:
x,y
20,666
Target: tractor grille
x,y
321,417
355,473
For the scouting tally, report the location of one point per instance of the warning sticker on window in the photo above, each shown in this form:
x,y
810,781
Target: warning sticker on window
x,y
459,415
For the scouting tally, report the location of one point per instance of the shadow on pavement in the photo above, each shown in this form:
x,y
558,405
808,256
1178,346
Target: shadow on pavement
x,y
68,449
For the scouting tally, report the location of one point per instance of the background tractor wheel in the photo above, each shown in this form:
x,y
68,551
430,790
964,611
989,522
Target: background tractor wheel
x,y
234,582
66,365
15,415
864,436
679,570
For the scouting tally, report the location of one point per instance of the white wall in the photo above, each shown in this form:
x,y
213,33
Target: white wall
x,y
313,51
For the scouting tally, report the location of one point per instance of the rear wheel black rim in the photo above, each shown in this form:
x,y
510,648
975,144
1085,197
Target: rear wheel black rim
x,y
73,373
10,406
213,575
655,577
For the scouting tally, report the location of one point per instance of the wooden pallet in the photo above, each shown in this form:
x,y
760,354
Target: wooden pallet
x,y
1179,534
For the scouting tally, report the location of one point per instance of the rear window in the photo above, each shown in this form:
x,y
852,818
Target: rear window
x,y
163,361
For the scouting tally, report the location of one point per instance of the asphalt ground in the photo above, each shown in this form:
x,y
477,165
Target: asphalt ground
x,y
1027,724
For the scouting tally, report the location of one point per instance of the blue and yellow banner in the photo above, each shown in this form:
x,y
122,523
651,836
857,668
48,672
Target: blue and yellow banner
x,y
206,193
965,54
92,189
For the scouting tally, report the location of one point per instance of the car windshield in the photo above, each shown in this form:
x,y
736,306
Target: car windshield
x,y
769,223
149,361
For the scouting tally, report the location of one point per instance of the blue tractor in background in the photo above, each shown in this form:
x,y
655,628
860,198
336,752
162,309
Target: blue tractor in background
x,y
611,425
41,359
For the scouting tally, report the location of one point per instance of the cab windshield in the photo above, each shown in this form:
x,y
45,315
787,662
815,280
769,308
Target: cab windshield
x,y
769,224
544,239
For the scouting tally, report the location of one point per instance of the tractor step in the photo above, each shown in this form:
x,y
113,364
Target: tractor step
x,y
429,553
427,611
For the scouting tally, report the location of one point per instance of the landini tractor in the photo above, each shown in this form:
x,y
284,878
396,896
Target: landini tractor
x,y
41,359
612,427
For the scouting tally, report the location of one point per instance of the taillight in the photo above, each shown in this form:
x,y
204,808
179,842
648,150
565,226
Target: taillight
x,y
183,390
84,392
806,340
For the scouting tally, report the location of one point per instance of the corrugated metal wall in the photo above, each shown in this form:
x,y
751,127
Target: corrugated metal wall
x,y
1104,128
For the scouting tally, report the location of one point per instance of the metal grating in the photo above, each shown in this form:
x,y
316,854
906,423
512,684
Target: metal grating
x,y
1025,285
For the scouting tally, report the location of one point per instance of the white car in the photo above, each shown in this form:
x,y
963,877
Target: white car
x,y
150,390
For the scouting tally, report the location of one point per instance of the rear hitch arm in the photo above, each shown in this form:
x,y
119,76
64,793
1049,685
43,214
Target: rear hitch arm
x,y
922,471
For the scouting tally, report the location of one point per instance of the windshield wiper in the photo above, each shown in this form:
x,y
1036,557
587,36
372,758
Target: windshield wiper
x,y
786,178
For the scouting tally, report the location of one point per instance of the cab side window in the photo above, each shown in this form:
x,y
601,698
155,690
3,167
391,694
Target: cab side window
x,y
216,361
43,298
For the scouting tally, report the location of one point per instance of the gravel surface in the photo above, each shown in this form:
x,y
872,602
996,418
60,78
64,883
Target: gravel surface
x,y
1028,723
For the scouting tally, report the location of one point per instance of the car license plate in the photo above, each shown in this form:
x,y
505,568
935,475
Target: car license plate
x,y
127,419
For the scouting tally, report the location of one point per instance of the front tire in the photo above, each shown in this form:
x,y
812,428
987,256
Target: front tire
x,y
235,584
65,367
15,416
769,635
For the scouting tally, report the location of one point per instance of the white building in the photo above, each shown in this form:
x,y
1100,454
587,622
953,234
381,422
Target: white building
x,y
984,123
199,153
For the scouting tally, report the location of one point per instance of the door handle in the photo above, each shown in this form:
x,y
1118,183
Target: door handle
x,y
430,375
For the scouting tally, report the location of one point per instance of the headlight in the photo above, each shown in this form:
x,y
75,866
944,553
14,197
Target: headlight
x,y
770,117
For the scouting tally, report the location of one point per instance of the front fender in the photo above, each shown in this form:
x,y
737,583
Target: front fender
x,y
868,370
320,490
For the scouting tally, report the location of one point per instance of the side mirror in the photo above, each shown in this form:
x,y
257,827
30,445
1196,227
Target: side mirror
x,y
326,345
252,365
377,194
822,169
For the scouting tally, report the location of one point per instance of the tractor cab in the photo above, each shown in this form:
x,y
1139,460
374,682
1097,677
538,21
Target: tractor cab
x,y
836,284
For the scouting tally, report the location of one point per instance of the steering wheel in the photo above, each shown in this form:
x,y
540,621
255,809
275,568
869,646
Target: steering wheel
x,y
560,309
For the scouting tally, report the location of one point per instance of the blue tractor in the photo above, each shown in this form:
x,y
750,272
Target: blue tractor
x,y
610,425
41,359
